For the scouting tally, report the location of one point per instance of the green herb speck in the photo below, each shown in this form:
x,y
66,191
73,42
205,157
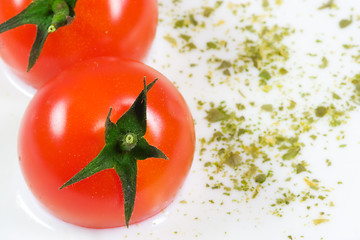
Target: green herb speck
x,y
260,178
300,168
320,111
345,22
265,74
267,107
324,63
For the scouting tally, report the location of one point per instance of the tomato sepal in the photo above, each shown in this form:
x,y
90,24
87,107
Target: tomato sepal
x,y
124,145
48,16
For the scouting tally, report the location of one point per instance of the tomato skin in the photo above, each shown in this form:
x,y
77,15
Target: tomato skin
x,y
63,130
100,28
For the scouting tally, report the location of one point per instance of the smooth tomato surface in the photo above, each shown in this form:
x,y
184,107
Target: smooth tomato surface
x,y
63,130
122,28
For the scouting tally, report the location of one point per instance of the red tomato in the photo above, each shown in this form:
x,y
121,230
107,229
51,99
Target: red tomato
x,y
123,28
63,130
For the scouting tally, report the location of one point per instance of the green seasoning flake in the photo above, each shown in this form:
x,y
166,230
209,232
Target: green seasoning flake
x,y
224,64
193,20
260,178
265,75
240,106
234,160
218,4
345,22
291,153
185,37
226,72
265,3
328,162
171,40
208,11
320,111
324,63
190,46
179,23
320,221
300,168
292,105
216,115
335,96
211,45
330,4
283,71
267,107
349,46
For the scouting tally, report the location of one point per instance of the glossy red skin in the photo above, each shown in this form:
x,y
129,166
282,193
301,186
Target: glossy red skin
x,y
96,31
63,130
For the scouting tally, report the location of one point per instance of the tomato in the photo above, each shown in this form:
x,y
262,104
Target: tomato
x,y
63,130
122,28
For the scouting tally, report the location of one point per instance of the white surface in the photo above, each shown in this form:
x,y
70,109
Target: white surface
x,y
22,218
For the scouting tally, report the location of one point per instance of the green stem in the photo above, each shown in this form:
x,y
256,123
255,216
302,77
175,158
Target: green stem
x,y
48,16
61,14
128,132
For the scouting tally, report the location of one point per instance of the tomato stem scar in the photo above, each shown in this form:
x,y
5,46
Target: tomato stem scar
x,y
129,138
129,142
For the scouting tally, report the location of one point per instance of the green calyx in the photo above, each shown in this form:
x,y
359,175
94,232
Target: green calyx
x,y
124,145
48,16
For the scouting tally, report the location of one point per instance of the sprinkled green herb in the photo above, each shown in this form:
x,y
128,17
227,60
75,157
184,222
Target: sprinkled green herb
x,y
193,20
216,115
330,4
208,11
185,37
324,63
328,162
226,72
244,147
335,96
224,64
300,168
292,105
291,153
320,221
265,3
267,107
190,46
349,46
171,40
265,75
211,45
234,160
260,178
179,23
320,111
283,71
345,22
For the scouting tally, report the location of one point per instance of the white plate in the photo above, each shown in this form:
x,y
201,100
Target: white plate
x,y
207,213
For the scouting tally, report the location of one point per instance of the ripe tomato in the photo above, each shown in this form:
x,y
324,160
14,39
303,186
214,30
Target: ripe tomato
x,y
123,28
63,130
